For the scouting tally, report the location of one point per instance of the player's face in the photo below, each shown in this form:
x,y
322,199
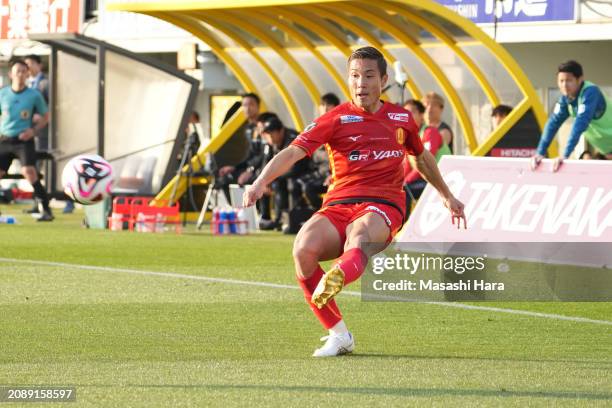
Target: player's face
x,y
33,66
497,120
324,108
365,83
418,116
568,84
433,112
19,74
250,107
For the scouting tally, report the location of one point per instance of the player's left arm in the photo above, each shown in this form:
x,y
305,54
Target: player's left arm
x,y
593,99
427,166
40,108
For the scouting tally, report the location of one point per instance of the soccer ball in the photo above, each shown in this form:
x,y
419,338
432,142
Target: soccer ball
x,y
87,178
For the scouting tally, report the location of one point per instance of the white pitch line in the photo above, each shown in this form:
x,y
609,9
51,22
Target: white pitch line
x,y
281,286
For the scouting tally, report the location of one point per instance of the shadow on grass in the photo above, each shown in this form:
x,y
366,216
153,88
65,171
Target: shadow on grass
x,y
401,392
598,364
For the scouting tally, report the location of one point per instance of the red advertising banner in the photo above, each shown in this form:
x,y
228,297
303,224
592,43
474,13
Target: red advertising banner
x,y
18,18
507,202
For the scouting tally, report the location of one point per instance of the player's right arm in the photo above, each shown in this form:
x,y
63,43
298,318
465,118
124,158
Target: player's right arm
x,y
279,165
560,115
315,134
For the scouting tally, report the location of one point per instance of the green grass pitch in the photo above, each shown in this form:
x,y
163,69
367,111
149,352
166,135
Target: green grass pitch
x,y
125,339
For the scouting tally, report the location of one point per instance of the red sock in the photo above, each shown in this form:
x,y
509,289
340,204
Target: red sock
x,y
330,314
352,262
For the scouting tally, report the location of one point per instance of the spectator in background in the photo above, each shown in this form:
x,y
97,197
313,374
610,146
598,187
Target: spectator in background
x,y
585,102
499,114
328,102
277,137
18,104
434,106
414,184
39,81
244,171
192,136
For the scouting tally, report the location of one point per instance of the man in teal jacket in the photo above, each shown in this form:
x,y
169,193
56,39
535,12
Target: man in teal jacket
x,y
18,104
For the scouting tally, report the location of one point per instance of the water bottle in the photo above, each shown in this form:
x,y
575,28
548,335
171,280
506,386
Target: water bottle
x,y
216,217
7,219
222,221
160,222
116,223
242,222
140,224
231,218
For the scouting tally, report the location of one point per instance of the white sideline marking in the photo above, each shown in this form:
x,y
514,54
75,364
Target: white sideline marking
x,y
281,286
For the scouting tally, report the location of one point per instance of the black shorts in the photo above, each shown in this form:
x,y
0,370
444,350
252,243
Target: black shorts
x,y
16,149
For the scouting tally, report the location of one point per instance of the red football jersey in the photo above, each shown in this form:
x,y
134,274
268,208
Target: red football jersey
x,y
365,151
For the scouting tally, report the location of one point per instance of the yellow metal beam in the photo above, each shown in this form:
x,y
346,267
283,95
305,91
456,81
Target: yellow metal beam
x,y
504,58
308,45
514,116
316,25
369,37
447,39
282,89
382,20
266,38
227,130
198,30
188,5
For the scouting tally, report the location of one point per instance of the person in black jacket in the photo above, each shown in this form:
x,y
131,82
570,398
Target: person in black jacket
x,y
286,188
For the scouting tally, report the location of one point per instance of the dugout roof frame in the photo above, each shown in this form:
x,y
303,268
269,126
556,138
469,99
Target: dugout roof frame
x,y
272,47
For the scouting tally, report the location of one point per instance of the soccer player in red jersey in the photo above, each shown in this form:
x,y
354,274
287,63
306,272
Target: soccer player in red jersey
x,y
367,140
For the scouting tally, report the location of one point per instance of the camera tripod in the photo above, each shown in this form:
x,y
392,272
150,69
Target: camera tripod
x,y
188,152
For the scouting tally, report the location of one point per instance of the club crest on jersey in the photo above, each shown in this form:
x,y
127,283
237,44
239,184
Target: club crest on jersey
x,y
350,119
400,117
400,135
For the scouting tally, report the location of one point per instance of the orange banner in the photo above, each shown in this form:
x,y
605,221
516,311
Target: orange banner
x,y
18,18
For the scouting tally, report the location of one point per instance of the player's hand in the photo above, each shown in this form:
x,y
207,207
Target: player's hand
x,y
328,180
557,163
225,170
456,209
535,161
26,135
253,193
245,177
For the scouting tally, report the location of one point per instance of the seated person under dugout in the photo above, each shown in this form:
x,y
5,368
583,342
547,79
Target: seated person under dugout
x,y
292,52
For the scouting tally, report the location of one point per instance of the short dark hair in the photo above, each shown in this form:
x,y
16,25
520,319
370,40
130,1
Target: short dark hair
x,y
33,57
501,110
418,104
252,95
196,115
15,61
372,54
571,67
265,116
330,98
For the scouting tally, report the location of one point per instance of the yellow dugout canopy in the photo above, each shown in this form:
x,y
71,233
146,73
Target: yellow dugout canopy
x,y
291,52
